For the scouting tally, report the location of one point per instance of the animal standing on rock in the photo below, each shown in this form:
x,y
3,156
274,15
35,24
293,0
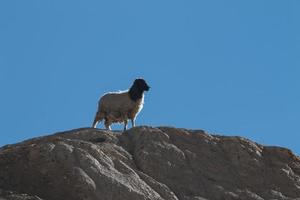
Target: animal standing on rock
x,y
118,107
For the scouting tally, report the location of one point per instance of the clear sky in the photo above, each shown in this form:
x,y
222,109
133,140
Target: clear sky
x,y
228,67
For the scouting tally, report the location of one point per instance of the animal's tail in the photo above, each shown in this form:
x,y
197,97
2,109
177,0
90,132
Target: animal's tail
x,y
98,118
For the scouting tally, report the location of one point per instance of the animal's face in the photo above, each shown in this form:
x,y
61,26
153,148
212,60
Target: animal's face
x,y
141,84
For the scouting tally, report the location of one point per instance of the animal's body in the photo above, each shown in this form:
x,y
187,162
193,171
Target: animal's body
x,y
118,107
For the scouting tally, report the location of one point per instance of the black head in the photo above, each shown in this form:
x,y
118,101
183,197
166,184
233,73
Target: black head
x,y
141,84
137,89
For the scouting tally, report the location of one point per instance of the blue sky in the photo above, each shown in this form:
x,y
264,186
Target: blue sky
x,y
228,67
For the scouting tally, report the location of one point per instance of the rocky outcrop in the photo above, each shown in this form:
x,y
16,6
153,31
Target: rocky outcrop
x,y
146,163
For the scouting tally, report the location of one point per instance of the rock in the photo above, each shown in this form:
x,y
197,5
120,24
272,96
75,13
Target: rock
x,y
10,195
146,163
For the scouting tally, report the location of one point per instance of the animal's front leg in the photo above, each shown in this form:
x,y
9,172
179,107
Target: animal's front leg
x,y
132,122
107,124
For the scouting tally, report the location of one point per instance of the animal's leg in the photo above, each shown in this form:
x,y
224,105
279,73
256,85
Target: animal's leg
x,y
107,124
125,124
98,118
132,123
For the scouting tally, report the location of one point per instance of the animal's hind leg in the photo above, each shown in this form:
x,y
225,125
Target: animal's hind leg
x,y
107,124
97,119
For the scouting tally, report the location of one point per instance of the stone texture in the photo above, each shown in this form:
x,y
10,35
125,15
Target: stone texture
x,y
146,163
9,195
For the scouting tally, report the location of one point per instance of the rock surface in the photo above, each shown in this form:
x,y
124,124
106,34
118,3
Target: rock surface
x,y
146,163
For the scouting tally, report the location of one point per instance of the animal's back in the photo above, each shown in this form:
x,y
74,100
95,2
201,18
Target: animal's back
x,y
114,101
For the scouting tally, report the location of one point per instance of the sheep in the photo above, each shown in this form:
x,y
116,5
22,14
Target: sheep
x,y
118,107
